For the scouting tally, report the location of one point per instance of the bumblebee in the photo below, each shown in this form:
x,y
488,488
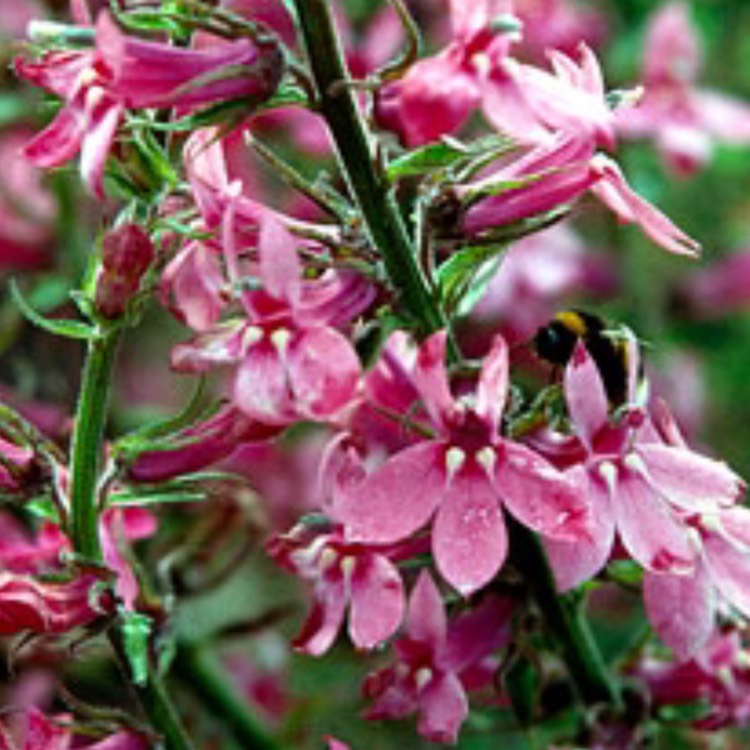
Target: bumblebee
x,y
609,349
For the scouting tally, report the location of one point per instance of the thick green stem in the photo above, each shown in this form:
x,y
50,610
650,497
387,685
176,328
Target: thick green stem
x,y
563,618
388,234
368,185
200,672
87,448
88,436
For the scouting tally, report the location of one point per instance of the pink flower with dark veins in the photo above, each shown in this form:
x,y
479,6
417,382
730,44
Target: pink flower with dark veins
x,y
463,477
357,577
685,121
123,73
636,484
431,659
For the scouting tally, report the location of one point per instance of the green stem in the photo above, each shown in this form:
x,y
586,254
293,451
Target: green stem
x,y
88,435
88,439
356,154
564,618
199,671
154,700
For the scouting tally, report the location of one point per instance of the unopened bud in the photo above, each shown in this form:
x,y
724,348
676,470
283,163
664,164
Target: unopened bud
x,y
127,253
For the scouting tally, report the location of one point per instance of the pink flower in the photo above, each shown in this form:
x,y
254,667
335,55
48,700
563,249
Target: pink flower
x,y
126,73
354,576
684,121
290,365
438,93
635,484
717,674
718,289
28,605
553,175
432,657
682,608
463,476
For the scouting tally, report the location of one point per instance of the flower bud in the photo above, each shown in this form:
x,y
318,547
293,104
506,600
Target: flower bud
x,y
127,253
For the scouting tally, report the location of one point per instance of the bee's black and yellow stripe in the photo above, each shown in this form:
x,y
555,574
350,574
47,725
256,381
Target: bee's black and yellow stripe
x,y
556,341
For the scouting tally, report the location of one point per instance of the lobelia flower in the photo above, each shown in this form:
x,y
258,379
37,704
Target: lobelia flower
x,y
290,364
123,73
717,674
357,577
636,484
431,659
438,93
682,608
462,477
550,176
684,121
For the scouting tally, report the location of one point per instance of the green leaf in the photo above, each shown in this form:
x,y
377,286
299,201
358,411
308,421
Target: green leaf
x,y
444,154
43,507
138,499
136,632
72,329
464,277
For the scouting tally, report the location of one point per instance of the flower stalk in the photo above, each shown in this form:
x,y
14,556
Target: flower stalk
x,y
355,151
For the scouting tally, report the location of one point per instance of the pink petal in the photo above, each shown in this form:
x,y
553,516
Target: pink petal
x,y
261,388
431,378
649,530
323,371
469,537
280,267
729,567
377,601
327,614
104,118
736,522
573,563
688,480
443,708
585,395
615,192
681,609
60,140
218,346
398,498
492,390
426,620
43,734
538,495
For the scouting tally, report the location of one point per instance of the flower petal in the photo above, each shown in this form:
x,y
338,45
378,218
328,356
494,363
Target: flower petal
x,y
431,378
538,495
261,388
575,562
377,601
681,609
323,371
443,707
327,614
492,390
426,620
688,480
651,533
469,538
729,567
397,498
585,395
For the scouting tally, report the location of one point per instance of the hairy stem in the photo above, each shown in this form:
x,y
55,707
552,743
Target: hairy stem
x,y
368,185
87,449
88,436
